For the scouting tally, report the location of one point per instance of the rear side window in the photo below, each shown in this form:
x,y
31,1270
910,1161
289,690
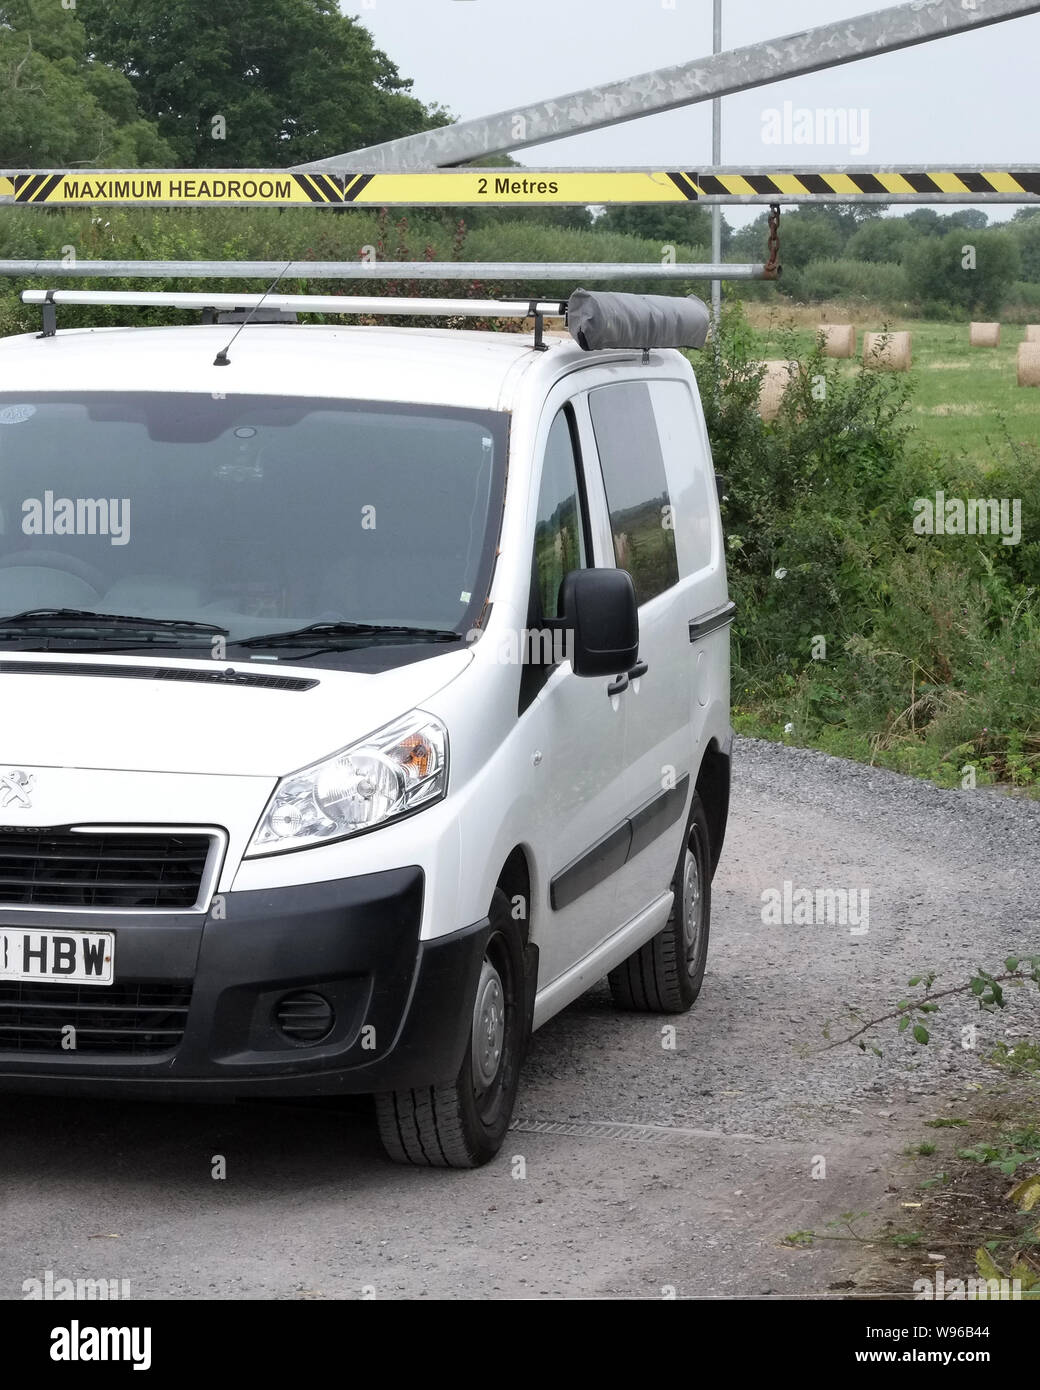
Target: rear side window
x,y
559,536
687,462
636,486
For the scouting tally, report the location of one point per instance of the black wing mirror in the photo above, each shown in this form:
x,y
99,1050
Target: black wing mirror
x,y
600,618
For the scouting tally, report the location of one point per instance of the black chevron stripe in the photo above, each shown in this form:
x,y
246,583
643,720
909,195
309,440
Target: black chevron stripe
x,y
682,183
359,185
26,191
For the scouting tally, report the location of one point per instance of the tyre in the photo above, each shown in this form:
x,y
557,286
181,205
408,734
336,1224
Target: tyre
x,y
665,975
462,1125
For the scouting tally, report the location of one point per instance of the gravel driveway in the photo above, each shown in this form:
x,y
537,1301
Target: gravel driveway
x,y
643,1163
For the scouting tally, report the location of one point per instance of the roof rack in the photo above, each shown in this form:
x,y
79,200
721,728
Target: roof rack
x,y
596,319
211,304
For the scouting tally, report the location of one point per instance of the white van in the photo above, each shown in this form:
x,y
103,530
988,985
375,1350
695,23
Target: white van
x,y
364,699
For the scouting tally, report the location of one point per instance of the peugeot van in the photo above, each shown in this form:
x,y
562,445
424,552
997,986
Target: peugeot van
x,y
364,700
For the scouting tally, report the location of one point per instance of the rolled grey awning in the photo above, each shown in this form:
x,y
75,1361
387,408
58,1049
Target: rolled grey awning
x,y
601,319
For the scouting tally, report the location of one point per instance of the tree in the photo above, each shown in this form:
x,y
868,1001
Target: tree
x,y
974,218
847,217
970,275
924,220
881,239
748,243
670,224
266,84
58,106
1025,228
810,234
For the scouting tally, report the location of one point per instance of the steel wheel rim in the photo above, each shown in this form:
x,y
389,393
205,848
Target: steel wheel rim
x,y
489,1028
692,903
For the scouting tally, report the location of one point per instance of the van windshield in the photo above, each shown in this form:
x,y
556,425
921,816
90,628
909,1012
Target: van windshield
x,y
252,515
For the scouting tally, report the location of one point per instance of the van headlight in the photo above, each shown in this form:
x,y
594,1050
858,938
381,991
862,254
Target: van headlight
x,y
389,774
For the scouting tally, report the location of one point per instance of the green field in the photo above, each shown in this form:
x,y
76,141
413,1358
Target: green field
x,y
966,400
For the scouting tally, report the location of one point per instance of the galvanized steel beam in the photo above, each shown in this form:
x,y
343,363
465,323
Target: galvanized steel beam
x,y
666,89
575,272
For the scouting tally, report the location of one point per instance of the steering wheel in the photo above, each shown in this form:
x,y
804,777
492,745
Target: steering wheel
x,y
57,560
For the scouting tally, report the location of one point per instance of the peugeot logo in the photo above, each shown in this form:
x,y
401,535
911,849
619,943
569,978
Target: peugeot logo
x,y
15,787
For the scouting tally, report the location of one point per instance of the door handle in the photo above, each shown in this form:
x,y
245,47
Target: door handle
x,y
619,686
711,622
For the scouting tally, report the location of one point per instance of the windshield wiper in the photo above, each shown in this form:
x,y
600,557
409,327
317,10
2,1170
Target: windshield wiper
x,y
324,633
47,619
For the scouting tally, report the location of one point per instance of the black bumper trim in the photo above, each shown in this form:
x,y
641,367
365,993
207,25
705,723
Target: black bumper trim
x,y
619,845
402,1005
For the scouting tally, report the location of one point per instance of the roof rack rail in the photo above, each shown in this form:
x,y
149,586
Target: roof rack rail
x,y
304,303
213,304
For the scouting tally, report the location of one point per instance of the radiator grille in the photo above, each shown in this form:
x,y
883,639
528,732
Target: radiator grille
x,y
65,868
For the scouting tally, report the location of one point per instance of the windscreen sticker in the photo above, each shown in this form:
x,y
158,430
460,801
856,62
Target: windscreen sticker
x,y
15,414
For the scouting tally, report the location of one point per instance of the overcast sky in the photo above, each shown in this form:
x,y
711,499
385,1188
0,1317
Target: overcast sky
x,y
960,100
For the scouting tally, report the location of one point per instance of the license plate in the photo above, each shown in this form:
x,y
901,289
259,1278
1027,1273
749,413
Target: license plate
x,y
60,957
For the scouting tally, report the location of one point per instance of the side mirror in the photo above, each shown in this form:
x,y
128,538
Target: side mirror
x,y
720,485
600,618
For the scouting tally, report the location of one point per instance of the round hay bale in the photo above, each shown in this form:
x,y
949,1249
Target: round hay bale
x,y
1033,332
839,339
778,376
888,352
985,335
1029,364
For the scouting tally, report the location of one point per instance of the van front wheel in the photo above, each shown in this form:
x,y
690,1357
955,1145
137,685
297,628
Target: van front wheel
x,y
462,1125
665,975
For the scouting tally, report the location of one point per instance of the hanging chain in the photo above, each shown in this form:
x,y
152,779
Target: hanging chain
x,y
772,266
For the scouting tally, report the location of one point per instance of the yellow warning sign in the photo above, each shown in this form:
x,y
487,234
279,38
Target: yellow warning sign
x,y
471,187
194,188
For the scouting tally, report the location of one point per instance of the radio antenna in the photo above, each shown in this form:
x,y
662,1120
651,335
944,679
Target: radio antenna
x,y
222,359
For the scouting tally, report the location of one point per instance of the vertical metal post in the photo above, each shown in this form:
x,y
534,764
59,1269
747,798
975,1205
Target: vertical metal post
x,y
716,212
716,159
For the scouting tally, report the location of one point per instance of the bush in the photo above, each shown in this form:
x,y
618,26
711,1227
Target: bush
x,y
1022,304
876,283
304,234
930,649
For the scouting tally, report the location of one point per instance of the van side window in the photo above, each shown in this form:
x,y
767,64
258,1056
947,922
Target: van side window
x,y
636,486
687,465
559,535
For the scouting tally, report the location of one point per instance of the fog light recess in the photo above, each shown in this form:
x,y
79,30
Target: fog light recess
x,y
305,1017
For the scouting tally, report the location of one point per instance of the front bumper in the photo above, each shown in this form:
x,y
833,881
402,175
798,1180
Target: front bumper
x,y
401,1005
